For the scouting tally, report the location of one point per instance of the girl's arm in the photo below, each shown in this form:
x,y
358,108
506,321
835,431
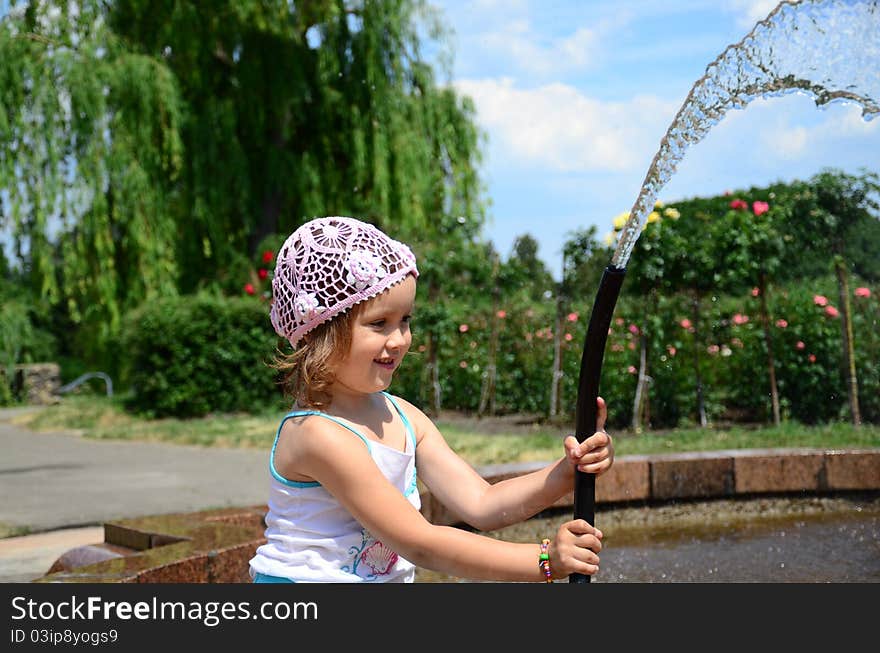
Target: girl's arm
x,y
334,457
488,506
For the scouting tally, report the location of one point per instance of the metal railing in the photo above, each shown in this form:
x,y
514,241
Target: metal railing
x,y
85,377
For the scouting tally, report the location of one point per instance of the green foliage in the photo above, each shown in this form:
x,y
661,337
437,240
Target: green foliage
x,y
156,148
22,340
188,356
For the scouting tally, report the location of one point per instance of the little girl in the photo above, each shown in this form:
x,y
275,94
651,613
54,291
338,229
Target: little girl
x,y
344,503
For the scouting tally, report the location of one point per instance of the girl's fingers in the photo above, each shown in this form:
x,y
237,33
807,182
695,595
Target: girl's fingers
x,y
601,414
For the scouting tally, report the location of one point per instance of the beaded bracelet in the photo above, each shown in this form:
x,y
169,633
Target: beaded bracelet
x,y
544,560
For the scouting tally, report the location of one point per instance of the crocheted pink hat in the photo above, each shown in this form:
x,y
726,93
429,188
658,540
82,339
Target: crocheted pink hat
x,y
327,266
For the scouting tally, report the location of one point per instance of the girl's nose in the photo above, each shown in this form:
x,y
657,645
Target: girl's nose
x,y
397,338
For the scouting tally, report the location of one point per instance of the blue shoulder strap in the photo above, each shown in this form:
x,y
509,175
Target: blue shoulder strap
x,y
302,413
406,424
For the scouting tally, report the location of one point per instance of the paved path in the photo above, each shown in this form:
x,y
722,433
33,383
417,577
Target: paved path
x,y
60,488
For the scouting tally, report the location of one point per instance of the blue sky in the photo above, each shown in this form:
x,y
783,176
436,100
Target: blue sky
x,y
574,97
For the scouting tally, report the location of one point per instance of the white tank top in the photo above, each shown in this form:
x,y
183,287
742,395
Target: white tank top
x,y
311,537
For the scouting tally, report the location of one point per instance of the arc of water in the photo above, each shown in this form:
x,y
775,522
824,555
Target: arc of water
x,y
780,55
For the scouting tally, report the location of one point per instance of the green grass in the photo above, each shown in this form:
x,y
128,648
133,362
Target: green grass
x,y
98,417
487,449
8,530
103,418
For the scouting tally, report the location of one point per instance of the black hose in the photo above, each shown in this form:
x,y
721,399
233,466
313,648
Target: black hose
x,y
588,391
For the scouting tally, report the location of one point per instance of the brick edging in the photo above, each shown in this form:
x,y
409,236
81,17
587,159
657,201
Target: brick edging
x,y
708,475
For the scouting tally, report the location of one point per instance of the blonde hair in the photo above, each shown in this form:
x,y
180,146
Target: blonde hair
x,y
308,371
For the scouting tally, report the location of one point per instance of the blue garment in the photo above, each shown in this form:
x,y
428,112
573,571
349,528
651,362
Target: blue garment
x,y
311,537
265,578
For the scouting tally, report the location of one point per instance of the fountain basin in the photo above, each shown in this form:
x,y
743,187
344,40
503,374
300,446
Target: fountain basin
x,y
636,498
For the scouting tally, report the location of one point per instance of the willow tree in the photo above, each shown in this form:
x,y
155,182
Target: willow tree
x,y
303,109
90,163
166,140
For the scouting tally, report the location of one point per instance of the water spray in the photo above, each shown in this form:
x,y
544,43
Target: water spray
x,y
780,55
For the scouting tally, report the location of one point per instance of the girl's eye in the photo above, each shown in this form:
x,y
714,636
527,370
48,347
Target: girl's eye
x,y
377,323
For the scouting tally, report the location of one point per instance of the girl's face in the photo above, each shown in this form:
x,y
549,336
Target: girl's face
x,y
380,338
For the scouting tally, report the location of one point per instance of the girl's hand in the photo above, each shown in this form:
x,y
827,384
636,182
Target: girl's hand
x,y
575,549
595,455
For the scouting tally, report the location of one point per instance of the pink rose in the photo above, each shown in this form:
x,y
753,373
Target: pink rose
x,y
820,300
631,369
463,328
633,329
863,292
759,207
501,314
685,323
740,318
568,337
800,345
713,349
739,205
756,292
572,317
781,323
830,311
812,358
671,350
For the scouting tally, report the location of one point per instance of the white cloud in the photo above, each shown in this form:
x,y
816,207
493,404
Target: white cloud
x,y
556,126
839,125
787,144
750,12
518,43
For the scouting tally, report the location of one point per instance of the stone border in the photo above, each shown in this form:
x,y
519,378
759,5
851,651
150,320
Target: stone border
x,y
709,475
215,546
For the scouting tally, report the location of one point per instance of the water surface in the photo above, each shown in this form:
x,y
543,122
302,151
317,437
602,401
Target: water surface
x,y
759,540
